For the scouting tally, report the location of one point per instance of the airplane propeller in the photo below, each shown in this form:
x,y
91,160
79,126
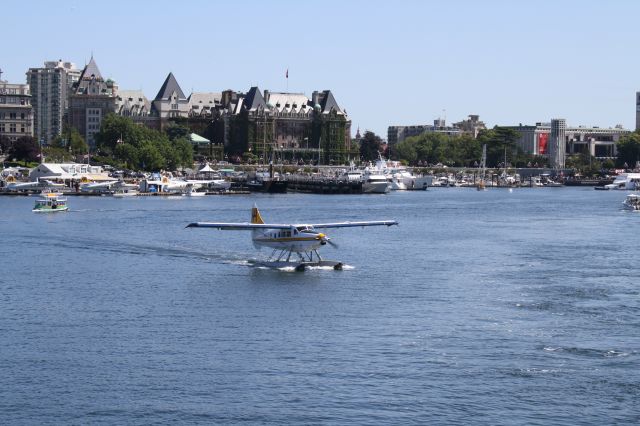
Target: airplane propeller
x,y
330,242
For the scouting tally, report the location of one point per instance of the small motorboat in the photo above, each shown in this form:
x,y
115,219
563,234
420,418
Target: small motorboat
x,y
632,202
51,202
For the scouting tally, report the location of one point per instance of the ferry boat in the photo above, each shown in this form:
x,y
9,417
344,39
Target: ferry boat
x,y
51,202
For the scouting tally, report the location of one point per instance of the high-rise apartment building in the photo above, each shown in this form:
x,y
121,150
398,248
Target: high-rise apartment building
x,y
50,89
16,114
557,145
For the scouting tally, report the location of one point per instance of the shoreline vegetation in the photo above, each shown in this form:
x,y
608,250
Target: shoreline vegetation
x,y
123,144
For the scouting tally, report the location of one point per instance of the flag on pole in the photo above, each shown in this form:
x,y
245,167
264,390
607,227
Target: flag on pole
x,y
287,73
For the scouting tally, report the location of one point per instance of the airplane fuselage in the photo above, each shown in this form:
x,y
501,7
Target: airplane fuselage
x,y
295,239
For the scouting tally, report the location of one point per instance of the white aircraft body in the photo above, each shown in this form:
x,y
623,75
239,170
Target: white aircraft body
x,y
38,185
215,184
109,186
302,240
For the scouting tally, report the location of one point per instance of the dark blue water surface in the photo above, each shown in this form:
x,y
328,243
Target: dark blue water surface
x,y
491,307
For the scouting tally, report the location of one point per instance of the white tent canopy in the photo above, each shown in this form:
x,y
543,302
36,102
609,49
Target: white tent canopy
x,y
206,169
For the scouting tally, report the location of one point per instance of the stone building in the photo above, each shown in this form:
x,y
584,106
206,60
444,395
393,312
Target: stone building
x,y
16,113
289,126
170,102
132,103
92,99
50,88
203,104
471,126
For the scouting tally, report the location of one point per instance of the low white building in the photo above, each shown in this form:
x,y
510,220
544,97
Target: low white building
x,y
68,171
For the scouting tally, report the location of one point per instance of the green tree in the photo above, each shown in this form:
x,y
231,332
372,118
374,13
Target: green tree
x,y
406,150
184,152
25,149
370,146
76,143
128,155
115,129
629,149
5,144
150,157
53,154
176,131
501,142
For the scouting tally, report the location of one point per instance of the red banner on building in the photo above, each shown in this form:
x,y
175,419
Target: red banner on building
x,y
543,139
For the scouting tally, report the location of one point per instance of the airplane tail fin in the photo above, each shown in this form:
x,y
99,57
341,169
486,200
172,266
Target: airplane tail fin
x,y
255,218
255,215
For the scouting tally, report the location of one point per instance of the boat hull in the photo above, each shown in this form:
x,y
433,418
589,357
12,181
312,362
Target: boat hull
x,y
375,188
49,210
268,186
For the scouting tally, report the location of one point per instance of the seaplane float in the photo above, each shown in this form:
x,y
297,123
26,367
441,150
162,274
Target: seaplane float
x,y
294,245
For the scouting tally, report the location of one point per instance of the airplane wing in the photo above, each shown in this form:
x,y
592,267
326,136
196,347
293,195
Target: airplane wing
x,y
353,224
238,226
250,226
100,184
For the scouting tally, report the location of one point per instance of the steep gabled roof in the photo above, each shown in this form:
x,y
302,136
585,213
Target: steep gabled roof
x,y
328,102
91,69
169,86
253,99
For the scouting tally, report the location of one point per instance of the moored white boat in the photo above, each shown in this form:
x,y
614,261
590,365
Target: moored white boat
x,y
374,183
625,181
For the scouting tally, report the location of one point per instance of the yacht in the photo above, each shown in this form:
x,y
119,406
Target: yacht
x,y
374,182
51,202
400,177
628,181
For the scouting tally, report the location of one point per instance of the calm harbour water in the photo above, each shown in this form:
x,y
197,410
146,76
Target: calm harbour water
x,y
491,307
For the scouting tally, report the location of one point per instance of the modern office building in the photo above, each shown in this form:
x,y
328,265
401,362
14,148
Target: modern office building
x,y
16,113
557,140
92,99
50,88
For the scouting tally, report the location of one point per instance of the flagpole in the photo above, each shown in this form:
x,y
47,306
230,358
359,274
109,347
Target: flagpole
x,y
287,77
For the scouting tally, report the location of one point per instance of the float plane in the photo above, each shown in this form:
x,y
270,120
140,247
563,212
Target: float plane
x,y
39,185
287,240
107,187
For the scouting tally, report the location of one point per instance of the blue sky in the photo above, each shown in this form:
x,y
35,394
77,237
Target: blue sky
x,y
388,63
